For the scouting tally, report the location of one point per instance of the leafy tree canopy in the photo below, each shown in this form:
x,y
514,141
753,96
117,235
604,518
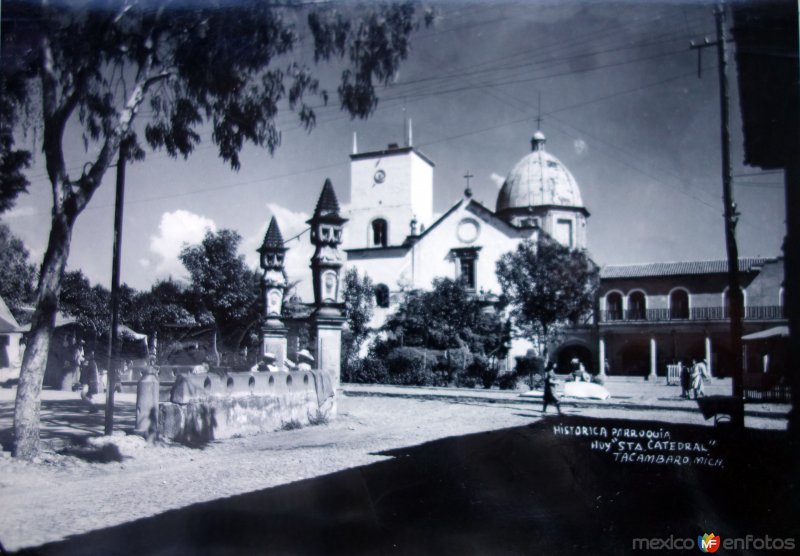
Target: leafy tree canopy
x,y
90,305
221,282
17,275
548,286
449,316
359,301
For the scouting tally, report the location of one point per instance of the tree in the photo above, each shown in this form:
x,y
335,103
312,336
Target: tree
x,y
443,336
548,287
85,74
88,304
448,316
149,311
221,284
12,161
17,275
359,301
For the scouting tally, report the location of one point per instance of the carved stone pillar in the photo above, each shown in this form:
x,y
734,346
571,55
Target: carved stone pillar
x,y
273,285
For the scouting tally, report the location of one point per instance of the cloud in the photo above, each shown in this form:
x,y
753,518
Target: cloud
x,y
298,258
497,179
580,146
20,212
174,231
144,263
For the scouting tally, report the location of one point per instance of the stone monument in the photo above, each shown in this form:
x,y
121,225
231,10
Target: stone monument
x,y
326,264
273,284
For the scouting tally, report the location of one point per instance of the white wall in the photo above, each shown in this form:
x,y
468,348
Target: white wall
x,y
10,344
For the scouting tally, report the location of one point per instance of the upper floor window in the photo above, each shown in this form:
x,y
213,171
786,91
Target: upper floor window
x,y
467,265
614,306
380,237
563,233
726,302
467,272
382,295
637,306
679,304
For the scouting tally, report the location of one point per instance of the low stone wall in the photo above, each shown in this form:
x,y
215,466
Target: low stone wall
x,y
211,406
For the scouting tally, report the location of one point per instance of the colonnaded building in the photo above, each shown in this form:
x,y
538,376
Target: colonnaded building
x,y
648,315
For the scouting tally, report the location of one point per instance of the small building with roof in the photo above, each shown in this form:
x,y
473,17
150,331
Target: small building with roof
x,y
10,344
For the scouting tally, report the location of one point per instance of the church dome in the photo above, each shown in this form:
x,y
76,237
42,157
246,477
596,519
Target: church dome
x,y
539,179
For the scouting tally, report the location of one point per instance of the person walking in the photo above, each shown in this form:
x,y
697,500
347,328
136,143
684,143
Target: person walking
x,y
76,360
90,381
699,376
686,379
550,390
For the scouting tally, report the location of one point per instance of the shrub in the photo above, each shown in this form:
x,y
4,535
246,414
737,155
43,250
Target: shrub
x,y
409,366
369,370
480,372
291,425
318,418
531,367
507,381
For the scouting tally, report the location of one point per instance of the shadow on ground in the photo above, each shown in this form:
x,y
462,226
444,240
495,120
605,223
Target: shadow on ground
x,y
523,490
68,423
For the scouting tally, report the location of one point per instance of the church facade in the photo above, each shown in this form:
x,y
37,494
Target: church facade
x,y
393,237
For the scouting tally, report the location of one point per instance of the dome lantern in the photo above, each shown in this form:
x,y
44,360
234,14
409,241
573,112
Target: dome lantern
x,y
537,141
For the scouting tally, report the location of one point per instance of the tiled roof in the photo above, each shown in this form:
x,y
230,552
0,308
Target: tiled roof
x,y
273,238
677,268
7,321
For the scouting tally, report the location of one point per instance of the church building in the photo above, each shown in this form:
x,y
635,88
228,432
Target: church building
x,y
392,235
393,238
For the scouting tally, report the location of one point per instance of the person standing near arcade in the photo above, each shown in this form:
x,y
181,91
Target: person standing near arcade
x,y
550,390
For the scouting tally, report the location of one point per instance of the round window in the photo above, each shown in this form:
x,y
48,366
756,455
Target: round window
x,y
468,230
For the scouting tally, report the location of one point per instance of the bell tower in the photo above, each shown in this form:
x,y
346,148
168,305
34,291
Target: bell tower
x,y
388,189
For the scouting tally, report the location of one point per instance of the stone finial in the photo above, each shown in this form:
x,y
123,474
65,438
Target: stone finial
x,y
326,235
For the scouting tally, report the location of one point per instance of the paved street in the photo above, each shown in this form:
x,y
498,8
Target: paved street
x,y
76,487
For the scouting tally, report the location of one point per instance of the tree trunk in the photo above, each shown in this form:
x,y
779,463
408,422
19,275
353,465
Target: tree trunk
x,y
34,361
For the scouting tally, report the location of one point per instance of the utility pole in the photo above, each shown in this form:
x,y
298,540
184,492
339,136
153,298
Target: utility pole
x,y
113,347
731,216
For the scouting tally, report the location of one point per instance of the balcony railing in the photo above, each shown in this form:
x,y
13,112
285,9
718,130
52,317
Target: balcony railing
x,y
757,312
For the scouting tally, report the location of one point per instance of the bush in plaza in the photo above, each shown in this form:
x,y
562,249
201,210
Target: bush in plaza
x,y
507,381
532,368
477,372
410,366
369,370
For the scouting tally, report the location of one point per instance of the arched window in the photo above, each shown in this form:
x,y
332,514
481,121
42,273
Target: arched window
x,y
614,306
382,295
637,306
726,303
679,304
380,236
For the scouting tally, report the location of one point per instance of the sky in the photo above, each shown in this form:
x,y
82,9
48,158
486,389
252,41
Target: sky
x,y
621,105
